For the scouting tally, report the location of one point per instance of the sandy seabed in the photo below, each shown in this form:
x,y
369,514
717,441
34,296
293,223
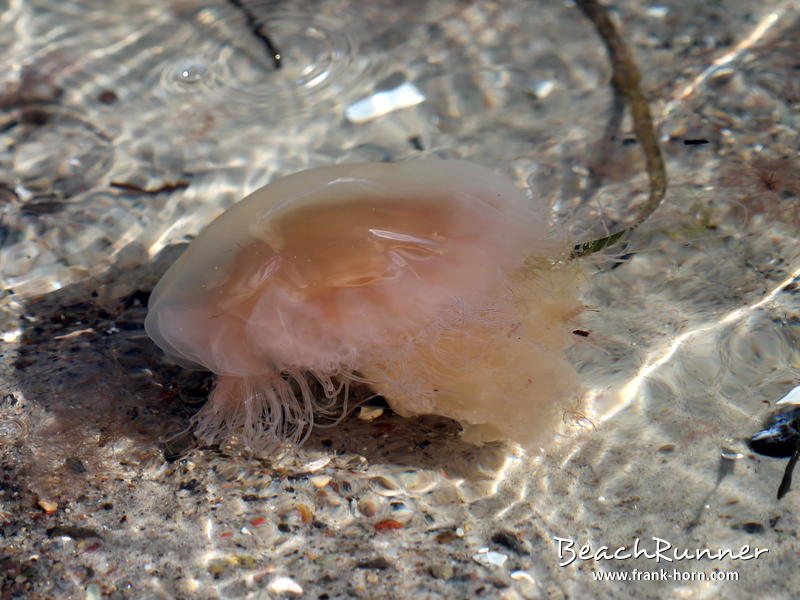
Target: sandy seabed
x,y
128,126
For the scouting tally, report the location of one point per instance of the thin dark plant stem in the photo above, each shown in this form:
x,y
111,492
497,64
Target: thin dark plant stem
x,y
786,482
257,28
626,80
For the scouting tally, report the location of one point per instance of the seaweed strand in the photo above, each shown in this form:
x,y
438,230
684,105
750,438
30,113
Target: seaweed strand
x,y
626,80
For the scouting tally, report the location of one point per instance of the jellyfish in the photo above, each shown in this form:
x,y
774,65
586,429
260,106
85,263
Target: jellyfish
x,y
437,283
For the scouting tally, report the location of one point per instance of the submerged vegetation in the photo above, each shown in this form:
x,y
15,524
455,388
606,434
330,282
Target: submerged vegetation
x,y
626,82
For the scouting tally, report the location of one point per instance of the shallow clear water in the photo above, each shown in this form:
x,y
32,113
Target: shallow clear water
x,y
127,126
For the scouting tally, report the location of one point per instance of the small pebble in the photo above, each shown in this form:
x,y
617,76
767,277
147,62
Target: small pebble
x,y
306,516
368,508
48,506
753,528
284,585
488,558
369,413
388,525
446,537
542,89
522,576
107,97
316,465
379,563
440,571
526,585
729,454
659,12
320,481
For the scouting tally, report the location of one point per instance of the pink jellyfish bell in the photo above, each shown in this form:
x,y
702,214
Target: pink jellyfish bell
x,y
435,282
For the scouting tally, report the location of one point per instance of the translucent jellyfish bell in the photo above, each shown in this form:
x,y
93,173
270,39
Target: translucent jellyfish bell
x,y
437,282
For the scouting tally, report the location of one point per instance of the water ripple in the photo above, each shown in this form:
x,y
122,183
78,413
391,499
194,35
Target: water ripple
x,y
318,59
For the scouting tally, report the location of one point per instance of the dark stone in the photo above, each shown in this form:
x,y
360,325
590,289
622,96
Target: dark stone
x,y
376,563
